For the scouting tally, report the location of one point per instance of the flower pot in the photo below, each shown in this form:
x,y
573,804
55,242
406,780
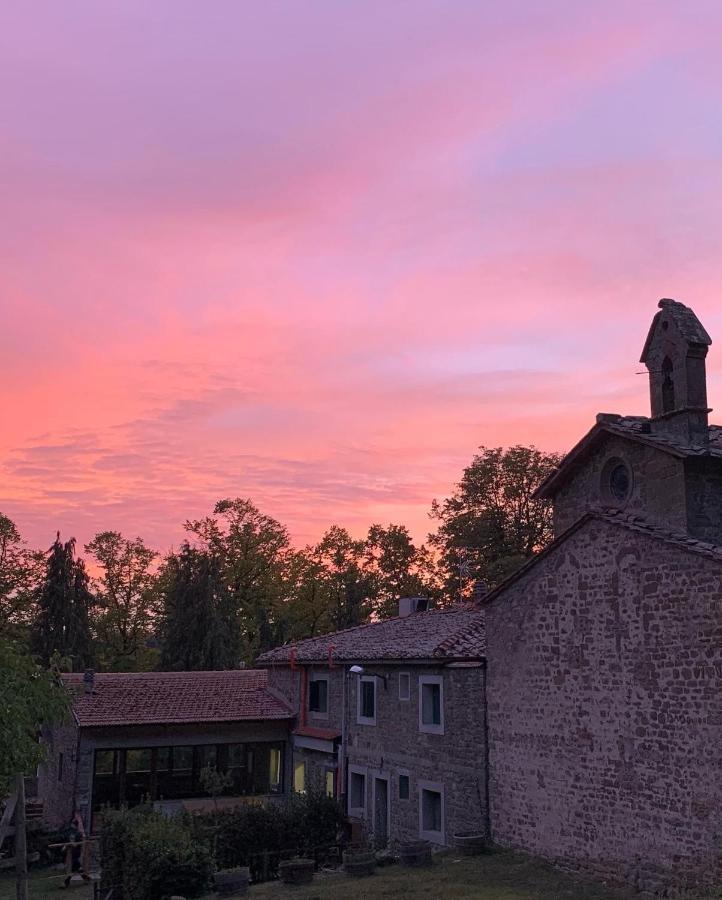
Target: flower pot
x,y
296,871
232,882
470,843
415,853
358,863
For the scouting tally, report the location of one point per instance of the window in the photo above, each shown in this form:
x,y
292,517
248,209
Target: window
x,y
318,695
404,787
616,482
356,791
137,760
299,777
431,704
404,686
431,811
330,783
367,700
274,770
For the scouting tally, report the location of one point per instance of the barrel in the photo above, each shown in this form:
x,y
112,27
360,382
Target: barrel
x,y
415,853
358,863
296,871
470,843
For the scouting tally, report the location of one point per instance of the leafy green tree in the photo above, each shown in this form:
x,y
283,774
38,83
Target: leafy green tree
x,y
61,624
397,568
20,573
198,623
307,610
125,598
251,551
491,523
30,697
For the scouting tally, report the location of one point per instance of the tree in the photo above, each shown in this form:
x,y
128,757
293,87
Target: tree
x,y
29,698
61,624
251,551
397,568
198,622
125,599
349,586
491,523
307,610
20,573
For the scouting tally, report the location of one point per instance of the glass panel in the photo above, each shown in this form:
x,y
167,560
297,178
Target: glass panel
x,y
431,810
105,762
274,770
330,783
162,759
368,706
137,760
207,756
358,790
403,787
431,704
299,777
318,696
182,759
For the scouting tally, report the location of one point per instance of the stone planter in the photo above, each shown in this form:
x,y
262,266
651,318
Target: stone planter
x,y
232,882
415,853
470,843
296,871
358,863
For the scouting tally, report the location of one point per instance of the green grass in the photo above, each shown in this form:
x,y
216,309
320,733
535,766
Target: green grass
x,y
501,875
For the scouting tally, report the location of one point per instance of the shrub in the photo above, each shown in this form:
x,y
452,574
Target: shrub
x,y
151,856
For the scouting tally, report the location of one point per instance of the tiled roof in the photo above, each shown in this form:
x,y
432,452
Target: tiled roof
x,y
620,518
453,633
636,428
688,325
145,698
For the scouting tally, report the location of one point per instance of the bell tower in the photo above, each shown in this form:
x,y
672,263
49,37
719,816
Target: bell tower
x,y
674,354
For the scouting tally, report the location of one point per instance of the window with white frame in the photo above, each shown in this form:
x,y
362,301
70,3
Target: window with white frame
x,y
404,686
318,695
431,811
431,704
367,700
356,791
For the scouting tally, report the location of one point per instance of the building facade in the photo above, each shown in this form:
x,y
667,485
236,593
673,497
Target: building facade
x,y
138,737
605,652
388,720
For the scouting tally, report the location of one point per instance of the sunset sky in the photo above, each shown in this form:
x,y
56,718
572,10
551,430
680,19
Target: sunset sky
x,y
316,253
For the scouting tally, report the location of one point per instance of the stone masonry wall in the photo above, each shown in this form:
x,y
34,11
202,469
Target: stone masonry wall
x,y
395,746
56,780
704,499
658,485
605,720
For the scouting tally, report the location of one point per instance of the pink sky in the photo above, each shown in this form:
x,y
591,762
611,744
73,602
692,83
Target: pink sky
x,y
315,253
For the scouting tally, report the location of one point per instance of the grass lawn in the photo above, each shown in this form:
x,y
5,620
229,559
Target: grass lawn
x,y
498,876
501,875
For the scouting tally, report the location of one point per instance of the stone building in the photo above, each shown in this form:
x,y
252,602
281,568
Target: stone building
x,y
390,719
149,734
604,652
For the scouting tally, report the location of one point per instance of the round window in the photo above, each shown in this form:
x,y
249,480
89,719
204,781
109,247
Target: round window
x,y
619,482
616,482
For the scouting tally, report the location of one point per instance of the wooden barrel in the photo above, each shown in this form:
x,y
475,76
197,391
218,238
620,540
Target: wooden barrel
x,y
232,883
470,843
415,853
296,871
359,863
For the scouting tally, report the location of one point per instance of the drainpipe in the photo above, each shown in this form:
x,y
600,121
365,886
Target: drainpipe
x,y
487,823
304,694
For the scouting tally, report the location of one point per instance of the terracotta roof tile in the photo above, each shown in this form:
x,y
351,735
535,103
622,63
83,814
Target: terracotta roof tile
x,y
453,633
144,698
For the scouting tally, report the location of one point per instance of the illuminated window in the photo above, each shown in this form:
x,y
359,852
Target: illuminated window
x,y
299,777
274,769
330,783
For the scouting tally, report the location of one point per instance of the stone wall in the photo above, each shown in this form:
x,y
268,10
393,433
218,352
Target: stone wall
x,y
604,714
56,775
658,485
704,499
395,745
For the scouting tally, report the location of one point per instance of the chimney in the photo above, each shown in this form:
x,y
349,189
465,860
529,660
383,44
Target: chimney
x,y
409,605
89,681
